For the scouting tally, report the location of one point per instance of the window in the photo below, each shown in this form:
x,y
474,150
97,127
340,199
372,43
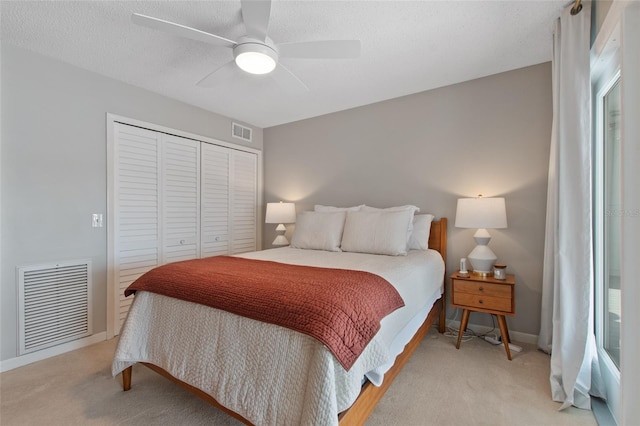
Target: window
x,y
615,71
607,211
608,272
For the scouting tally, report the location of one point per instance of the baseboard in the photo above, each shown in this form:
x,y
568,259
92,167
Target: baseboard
x,y
602,413
20,361
516,336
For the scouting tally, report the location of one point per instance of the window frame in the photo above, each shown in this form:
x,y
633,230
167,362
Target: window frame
x,y
608,74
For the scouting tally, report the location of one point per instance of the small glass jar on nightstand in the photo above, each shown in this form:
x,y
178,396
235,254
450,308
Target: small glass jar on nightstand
x,y
500,271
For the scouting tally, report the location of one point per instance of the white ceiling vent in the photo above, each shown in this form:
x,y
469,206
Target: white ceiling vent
x,y
241,132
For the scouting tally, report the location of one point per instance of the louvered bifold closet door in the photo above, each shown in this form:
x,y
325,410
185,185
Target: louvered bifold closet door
x,y
244,209
180,198
137,202
214,202
175,198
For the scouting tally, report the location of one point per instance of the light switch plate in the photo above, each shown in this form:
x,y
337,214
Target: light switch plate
x,y
96,220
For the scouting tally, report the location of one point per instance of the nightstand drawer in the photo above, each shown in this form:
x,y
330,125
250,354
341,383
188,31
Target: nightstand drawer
x,y
483,302
483,289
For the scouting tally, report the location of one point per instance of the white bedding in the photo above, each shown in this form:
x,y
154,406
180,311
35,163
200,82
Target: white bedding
x,y
269,374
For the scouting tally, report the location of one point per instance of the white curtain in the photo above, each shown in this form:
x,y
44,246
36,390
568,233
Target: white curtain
x,y
566,329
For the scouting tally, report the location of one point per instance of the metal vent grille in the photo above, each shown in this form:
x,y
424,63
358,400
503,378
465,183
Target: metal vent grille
x,y
241,132
53,304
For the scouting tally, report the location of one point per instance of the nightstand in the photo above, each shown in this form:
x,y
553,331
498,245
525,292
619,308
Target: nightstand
x,y
477,293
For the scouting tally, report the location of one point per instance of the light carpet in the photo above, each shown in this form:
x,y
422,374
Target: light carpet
x,y
475,385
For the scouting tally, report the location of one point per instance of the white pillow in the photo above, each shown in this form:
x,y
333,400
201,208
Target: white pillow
x,y
391,209
413,210
318,231
377,232
420,234
321,208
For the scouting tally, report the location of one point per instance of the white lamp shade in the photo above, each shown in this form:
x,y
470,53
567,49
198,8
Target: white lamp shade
x,y
281,213
481,213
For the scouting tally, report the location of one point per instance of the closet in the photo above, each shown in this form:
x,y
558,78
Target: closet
x,y
174,198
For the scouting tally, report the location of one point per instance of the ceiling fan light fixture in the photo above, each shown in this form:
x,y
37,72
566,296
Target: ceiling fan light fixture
x,y
255,58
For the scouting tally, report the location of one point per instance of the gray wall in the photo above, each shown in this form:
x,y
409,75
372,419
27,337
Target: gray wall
x,y
54,167
488,136
599,10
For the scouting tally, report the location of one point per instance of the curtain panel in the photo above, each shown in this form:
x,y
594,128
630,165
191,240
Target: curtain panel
x,y
566,329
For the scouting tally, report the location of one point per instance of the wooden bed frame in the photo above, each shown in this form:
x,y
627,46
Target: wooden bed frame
x,y
370,395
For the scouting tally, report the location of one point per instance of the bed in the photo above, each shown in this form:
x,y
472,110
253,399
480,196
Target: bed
x,y
251,369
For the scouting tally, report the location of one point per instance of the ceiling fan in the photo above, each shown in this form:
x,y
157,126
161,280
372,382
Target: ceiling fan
x,y
255,52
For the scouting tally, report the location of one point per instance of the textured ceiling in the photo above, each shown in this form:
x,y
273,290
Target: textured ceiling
x,y
407,47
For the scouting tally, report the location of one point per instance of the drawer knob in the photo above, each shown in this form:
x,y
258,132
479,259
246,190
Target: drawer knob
x,y
480,301
481,288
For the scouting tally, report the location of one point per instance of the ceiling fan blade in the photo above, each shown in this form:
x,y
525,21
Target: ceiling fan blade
x,y
180,30
327,49
220,76
288,80
255,14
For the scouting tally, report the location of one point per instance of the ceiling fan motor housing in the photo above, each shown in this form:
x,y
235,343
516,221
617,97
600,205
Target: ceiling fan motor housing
x,y
255,57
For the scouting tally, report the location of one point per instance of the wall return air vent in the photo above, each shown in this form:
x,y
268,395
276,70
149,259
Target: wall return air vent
x,y
53,305
241,132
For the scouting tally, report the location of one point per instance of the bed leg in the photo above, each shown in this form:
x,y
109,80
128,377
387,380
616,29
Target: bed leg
x,y
443,316
126,378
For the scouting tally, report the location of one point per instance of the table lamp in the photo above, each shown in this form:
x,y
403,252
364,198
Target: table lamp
x,y
481,213
280,213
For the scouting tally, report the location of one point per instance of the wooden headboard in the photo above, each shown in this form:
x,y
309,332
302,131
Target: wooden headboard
x,y
438,237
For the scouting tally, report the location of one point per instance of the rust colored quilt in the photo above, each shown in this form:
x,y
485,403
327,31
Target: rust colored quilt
x,y
339,307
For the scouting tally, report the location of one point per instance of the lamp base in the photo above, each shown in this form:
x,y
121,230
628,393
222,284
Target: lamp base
x,y
482,264
280,240
482,257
